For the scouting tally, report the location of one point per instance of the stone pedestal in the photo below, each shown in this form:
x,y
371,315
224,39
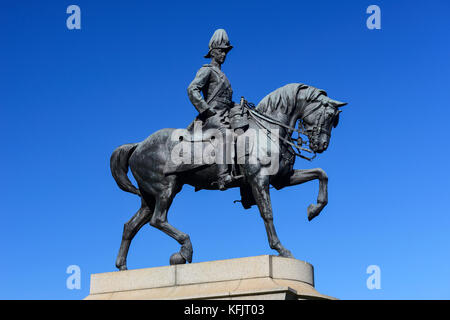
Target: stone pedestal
x,y
261,277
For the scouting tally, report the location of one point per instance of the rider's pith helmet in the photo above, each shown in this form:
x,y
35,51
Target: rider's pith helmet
x,y
219,40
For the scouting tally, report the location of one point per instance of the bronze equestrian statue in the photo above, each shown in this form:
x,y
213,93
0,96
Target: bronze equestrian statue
x,y
160,176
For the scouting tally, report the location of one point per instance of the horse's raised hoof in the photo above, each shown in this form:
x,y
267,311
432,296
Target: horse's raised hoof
x,y
313,211
177,258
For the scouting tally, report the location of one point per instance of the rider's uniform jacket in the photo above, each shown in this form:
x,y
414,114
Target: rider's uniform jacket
x,y
216,89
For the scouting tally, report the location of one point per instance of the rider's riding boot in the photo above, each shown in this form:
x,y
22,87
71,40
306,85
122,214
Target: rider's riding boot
x,y
224,177
224,181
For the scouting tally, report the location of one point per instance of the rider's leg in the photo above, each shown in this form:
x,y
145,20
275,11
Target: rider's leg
x,y
223,153
224,160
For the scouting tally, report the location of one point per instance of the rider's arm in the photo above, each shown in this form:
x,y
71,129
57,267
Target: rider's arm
x,y
195,90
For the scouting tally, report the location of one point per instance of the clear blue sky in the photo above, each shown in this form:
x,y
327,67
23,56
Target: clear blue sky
x,y
68,98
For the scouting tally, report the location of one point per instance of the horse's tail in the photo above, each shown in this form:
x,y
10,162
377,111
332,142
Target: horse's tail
x,y
119,167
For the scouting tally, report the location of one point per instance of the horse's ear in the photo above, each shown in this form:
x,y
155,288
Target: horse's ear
x,y
336,103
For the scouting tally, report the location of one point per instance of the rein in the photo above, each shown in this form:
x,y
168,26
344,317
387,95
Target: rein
x,y
255,115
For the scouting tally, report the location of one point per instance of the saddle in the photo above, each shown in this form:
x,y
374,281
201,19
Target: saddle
x,y
196,135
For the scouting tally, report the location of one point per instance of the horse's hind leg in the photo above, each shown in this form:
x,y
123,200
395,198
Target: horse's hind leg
x,y
164,197
129,231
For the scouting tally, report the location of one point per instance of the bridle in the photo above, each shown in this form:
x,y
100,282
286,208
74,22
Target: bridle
x,y
317,129
296,143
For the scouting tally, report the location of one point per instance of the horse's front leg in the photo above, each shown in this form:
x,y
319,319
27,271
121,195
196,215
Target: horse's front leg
x,y
260,190
302,176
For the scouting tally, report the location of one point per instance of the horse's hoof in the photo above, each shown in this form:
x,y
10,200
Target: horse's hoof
x,y
313,211
177,258
286,254
186,251
122,268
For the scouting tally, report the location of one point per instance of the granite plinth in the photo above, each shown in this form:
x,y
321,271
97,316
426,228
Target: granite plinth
x,y
260,277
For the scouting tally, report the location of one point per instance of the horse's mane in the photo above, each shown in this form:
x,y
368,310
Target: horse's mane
x,y
285,98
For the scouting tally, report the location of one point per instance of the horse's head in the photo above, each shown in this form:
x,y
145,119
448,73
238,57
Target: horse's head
x,y
316,112
318,119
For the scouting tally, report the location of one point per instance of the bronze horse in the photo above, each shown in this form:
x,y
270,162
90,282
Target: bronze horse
x,y
316,114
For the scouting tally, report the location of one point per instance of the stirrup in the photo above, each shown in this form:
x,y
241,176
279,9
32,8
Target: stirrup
x,y
224,181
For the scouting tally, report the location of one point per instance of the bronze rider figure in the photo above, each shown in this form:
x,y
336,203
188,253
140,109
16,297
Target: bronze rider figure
x,y
211,94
